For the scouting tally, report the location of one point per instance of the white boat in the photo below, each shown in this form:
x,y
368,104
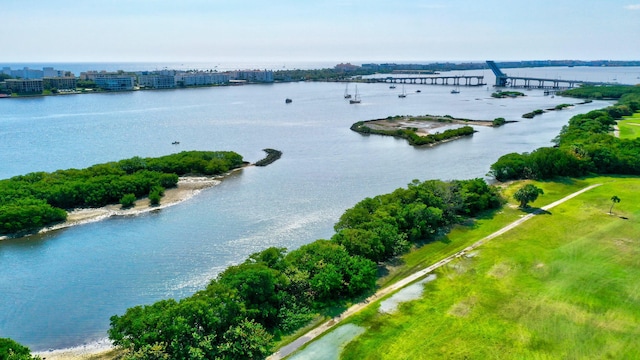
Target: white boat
x,y
404,94
356,98
346,92
456,90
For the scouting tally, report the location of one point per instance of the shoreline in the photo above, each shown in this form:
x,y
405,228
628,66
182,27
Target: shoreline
x,y
188,187
101,349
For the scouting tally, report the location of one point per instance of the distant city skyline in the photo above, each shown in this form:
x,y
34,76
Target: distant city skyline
x,y
331,30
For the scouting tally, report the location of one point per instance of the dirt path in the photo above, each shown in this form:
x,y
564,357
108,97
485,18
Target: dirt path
x,y
288,349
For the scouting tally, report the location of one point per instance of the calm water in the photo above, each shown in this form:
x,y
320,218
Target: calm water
x,y
59,289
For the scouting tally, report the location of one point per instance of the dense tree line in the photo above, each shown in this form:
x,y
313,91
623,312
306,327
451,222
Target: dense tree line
x,y
38,199
328,74
583,146
241,312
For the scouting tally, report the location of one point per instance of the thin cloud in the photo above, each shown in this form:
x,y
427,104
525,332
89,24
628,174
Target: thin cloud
x,y
633,7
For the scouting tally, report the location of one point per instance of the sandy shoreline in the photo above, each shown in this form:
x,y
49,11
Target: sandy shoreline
x,y
102,349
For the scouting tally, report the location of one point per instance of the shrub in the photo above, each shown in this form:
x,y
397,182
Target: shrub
x,y
128,200
498,121
154,197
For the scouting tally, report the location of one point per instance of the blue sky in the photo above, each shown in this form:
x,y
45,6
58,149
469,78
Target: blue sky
x,y
320,30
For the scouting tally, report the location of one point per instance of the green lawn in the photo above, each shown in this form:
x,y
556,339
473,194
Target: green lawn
x,y
564,285
630,126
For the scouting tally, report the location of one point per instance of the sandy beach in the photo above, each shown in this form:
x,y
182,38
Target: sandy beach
x,y
186,189
101,350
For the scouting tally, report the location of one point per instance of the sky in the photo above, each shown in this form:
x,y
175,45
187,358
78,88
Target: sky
x,y
320,30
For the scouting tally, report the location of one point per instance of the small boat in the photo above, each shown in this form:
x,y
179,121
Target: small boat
x,y
356,98
287,101
455,91
175,143
418,91
346,92
392,87
404,94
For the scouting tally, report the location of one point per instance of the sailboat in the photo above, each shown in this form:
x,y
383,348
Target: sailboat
x,y
404,94
346,92
356,98
456,90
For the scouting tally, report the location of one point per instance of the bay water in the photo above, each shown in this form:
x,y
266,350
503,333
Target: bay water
x,y
58,289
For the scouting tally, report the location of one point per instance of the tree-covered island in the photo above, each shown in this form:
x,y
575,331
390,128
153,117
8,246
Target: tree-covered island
x,y
422,130
40,199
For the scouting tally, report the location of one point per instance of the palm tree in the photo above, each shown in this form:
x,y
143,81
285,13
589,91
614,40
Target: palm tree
x,y
526,194
614,200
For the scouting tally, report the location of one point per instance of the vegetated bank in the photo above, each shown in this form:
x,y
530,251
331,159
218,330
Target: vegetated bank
x,y
573,271
36,200
422,130
583,146
248,307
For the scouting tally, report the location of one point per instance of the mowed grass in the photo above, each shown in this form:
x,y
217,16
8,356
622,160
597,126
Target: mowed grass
x,y
630,126
563,285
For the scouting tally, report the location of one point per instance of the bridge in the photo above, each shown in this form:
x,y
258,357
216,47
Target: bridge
x,y
456,80
504,80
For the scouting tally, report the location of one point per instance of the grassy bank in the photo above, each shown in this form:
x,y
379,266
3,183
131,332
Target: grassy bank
x,y
562,285
630,126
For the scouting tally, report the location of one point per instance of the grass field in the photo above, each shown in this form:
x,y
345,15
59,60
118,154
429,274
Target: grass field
x,y
564,285
630,126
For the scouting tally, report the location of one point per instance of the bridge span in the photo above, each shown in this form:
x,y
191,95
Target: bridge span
x,y
504,80
456,80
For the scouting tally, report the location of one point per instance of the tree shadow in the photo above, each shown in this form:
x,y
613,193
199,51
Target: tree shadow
x,y
535,211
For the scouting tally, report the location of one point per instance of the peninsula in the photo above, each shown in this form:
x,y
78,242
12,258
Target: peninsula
x,y
41,202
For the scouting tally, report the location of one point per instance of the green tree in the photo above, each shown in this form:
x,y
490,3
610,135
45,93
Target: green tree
x,y
11,350
128,200
157,192
614,200
248,340
526,194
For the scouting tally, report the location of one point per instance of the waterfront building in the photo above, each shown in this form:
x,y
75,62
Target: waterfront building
x,y
346,67
60,83
265,76
27,73
201,79
157,81
112,81
25,86
49,72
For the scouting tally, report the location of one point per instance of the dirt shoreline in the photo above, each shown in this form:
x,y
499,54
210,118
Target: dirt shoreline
x,y
423,125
